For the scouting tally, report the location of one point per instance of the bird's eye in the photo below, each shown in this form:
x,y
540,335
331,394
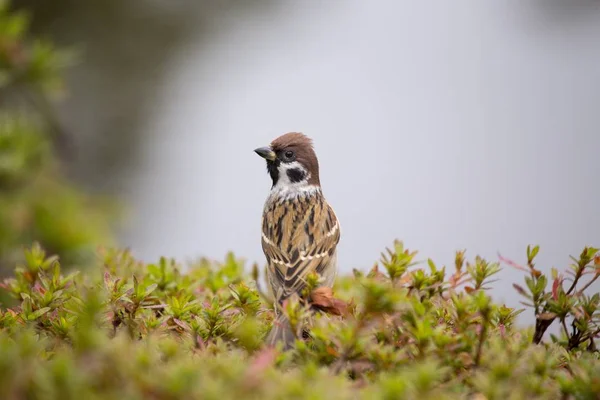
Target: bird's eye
x,y
289,154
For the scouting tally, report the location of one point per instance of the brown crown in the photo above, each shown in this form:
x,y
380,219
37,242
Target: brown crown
x,y
305,154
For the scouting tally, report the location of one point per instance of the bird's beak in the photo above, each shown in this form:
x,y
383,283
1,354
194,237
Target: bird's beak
x,y
266,153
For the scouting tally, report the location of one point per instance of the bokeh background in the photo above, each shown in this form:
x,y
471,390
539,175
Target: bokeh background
x,y
448,125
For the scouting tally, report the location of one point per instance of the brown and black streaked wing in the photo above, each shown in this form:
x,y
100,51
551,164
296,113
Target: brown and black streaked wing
x,y
308,245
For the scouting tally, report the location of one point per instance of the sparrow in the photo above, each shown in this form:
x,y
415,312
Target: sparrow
x,y
300,230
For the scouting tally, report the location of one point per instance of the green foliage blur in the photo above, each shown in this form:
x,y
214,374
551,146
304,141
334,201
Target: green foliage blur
x,y
127,329
37,201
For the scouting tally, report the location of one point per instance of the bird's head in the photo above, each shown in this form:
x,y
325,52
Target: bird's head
x,y
291,162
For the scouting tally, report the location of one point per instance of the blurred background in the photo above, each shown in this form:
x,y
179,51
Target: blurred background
x,y
449,125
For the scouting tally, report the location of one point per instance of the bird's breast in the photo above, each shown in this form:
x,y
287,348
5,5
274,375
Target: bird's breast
x,y
289,224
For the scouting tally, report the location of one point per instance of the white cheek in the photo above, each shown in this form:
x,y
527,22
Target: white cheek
x,y
287,189
284,179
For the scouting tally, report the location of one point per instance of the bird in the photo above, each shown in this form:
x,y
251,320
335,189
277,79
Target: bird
x,y
300,230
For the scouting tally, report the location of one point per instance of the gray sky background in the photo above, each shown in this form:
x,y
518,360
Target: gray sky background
x,y
448,125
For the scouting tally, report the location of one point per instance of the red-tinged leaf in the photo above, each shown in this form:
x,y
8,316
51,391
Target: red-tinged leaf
x,y
200,343
458,278
502,330
38,288
478,327
521,291
597,260
29,276
183,325
154,306
331,351
406,279
536,273
512,263
199,290
469,289
107,280
546,316
376,274
555,286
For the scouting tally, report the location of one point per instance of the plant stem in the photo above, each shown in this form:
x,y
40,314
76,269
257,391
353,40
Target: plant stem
x,y
541,325
564,325
482,334
578,275
262,294
355,332
589,283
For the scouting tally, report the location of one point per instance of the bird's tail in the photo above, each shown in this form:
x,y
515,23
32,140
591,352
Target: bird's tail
x,y
281,332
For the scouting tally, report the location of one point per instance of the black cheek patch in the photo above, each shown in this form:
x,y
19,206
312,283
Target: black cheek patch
x,y
272,168
295,175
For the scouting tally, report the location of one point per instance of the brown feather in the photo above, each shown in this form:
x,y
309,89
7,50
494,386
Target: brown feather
x,y
305,154
294,253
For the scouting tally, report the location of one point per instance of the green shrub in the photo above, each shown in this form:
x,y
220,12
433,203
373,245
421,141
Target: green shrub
x,y
126,329
131,330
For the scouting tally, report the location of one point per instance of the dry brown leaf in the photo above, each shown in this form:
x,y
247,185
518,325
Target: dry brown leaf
x,y
322,298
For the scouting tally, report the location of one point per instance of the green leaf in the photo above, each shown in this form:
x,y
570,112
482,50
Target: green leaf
x,y
39,313
534,252
150,289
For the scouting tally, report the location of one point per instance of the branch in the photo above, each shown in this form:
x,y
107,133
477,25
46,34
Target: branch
x,y
589,283
564,325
